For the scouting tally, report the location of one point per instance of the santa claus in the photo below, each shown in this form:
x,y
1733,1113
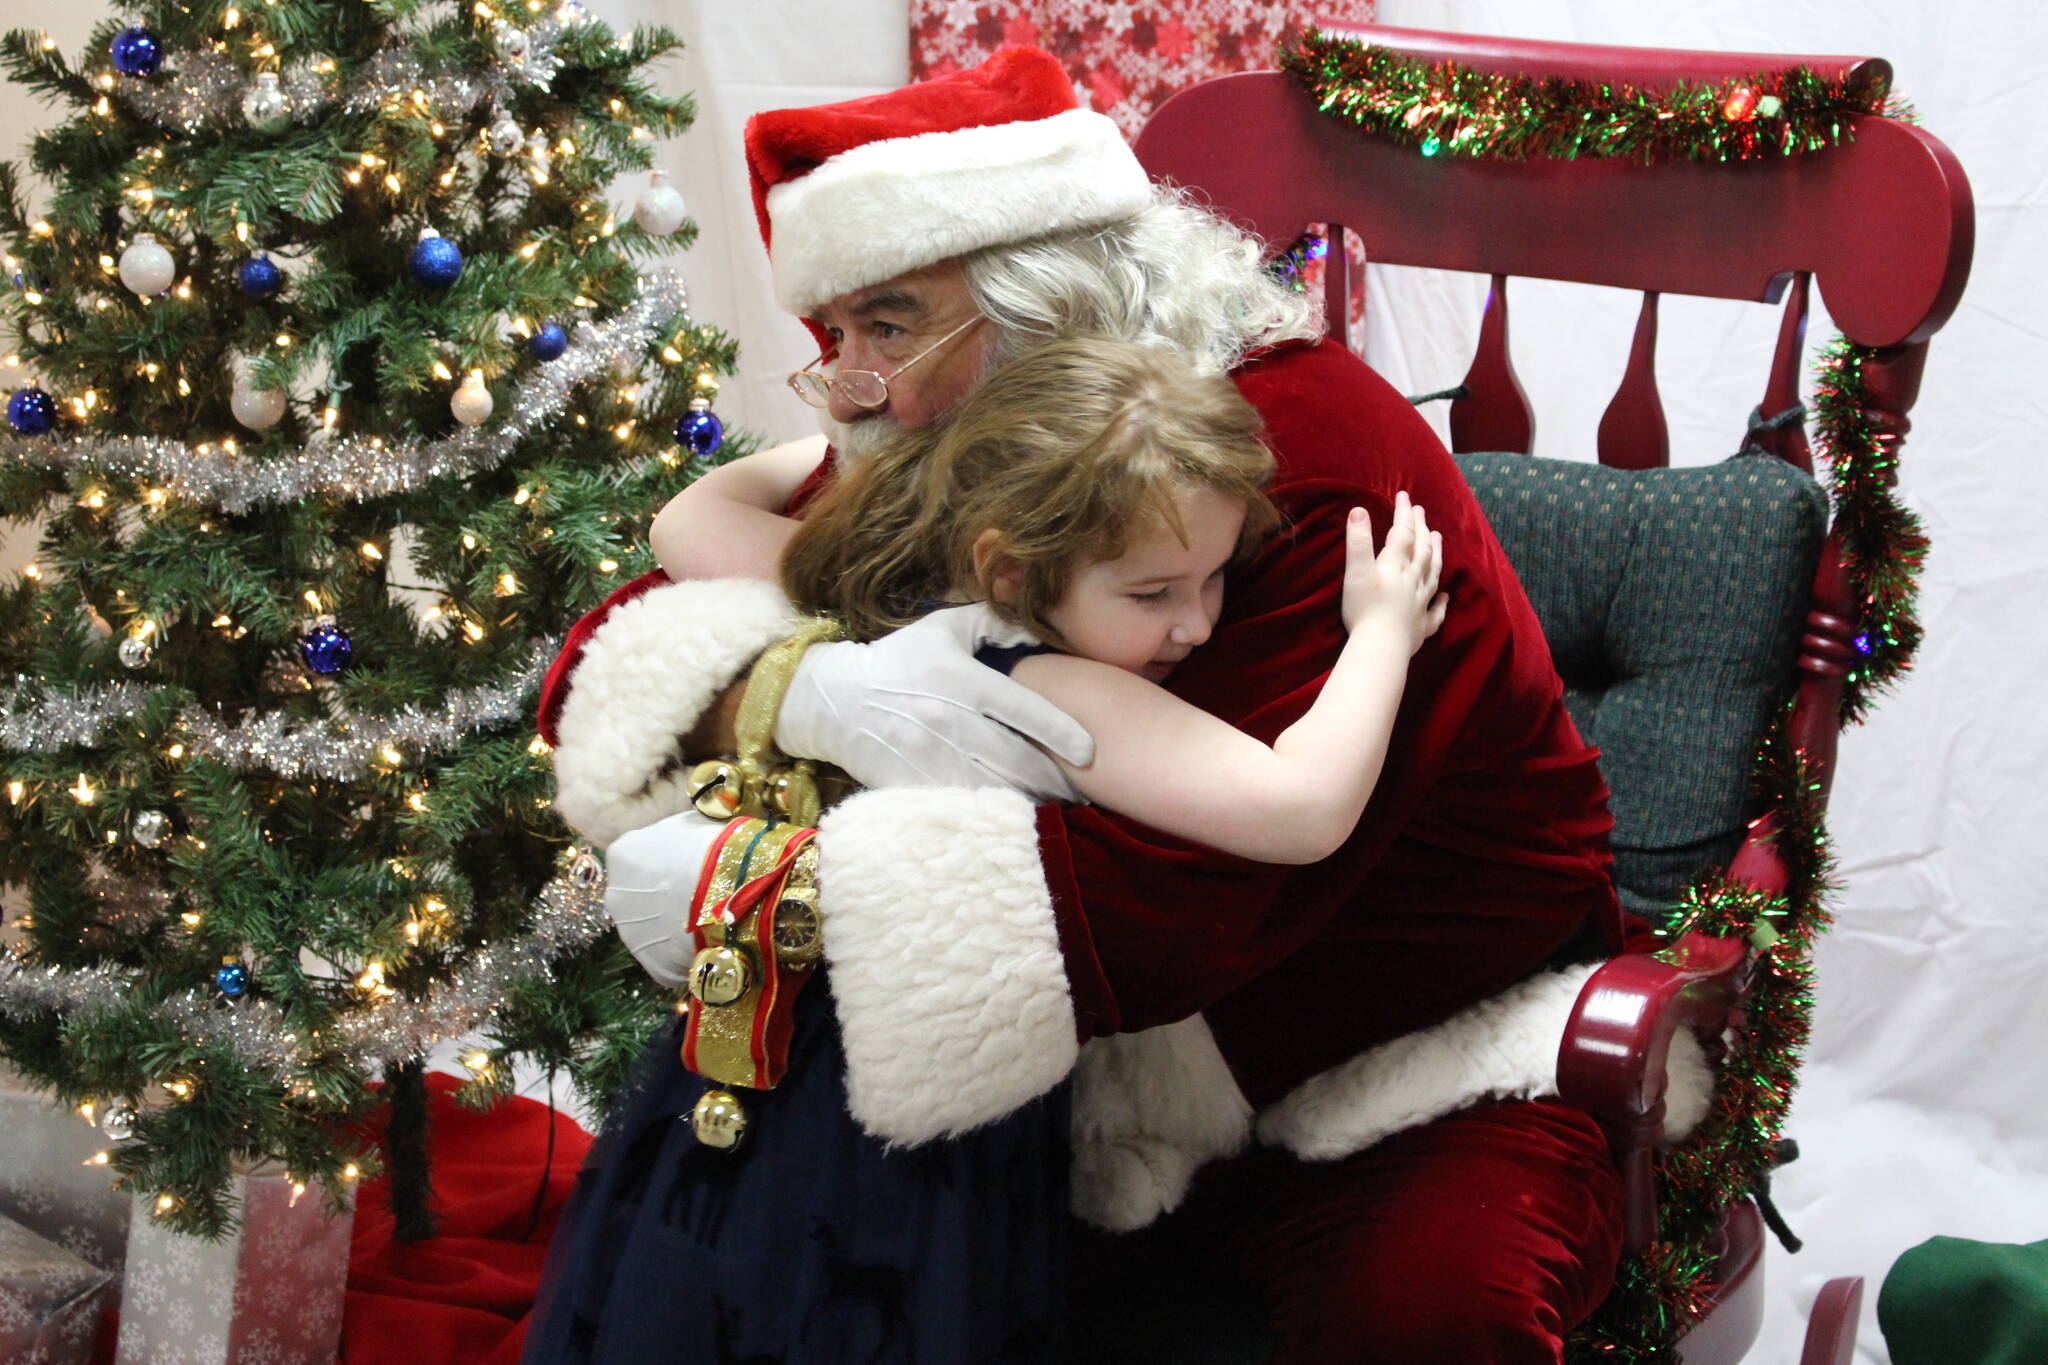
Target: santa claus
x,y
1339,1076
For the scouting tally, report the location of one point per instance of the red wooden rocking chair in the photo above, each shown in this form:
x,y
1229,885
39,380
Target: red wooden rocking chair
x,y
1885,226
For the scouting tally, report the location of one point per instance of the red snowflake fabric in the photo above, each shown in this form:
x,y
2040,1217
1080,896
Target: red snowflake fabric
x,y
1128,56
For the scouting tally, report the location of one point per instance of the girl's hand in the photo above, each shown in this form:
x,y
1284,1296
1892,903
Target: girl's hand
x,y
1395,589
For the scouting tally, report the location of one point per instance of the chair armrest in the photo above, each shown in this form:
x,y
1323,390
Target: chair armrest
x,y
1612,1059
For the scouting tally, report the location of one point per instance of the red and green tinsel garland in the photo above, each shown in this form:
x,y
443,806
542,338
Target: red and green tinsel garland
x,y
1446,109
1883,546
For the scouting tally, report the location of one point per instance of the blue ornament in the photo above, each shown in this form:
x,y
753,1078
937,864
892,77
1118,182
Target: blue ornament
x,y
136,52
31,411
700,430
436,262
1865,643
259,277
232,980
549,342
326,647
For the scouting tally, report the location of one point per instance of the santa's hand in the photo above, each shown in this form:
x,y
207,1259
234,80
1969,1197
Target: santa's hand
x,y
915,709
650,880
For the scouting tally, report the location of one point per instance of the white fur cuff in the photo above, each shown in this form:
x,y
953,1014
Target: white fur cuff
x,y
1503,1048
645,678
943,959
876,211
1150,1109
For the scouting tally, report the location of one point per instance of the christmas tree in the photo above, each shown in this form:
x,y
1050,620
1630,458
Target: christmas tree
x,y
348,396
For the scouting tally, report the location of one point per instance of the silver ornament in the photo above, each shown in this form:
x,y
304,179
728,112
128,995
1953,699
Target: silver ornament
x,y
135,652
149,827
147,267
118,1122
506,137
472,402
265,106
659,210
513,44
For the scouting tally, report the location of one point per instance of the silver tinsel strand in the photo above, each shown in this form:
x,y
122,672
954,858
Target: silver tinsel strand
x,y
342,748
198,89
568,914
354,468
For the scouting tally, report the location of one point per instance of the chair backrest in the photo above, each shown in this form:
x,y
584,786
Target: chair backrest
x,y
1884,225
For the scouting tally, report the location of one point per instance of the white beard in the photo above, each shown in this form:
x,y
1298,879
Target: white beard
x,y
855,441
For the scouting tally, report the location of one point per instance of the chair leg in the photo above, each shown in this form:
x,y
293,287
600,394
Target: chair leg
x,y
1831,1331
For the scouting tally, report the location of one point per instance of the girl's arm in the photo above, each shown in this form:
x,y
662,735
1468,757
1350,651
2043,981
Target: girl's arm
x,y
729,523
1181,770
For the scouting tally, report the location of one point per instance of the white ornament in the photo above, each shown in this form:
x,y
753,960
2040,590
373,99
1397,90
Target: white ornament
x,y
660,209
256,409
571,13
506,138
147,267
265,106
472,402
513,43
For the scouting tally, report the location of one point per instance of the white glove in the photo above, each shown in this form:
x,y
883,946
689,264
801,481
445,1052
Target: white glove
x,y
650,880
916,709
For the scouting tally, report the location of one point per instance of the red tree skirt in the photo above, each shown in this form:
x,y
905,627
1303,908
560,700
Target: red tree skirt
x,y
464,1296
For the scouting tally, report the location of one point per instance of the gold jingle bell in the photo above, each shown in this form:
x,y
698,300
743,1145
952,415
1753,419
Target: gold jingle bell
x,y
793,794
718,1120
717,789
720,974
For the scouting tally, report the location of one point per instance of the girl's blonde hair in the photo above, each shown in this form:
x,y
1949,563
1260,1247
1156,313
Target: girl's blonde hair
x,y
1065,451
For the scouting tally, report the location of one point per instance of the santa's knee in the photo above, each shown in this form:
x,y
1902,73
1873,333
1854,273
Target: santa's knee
x,y
1442,1325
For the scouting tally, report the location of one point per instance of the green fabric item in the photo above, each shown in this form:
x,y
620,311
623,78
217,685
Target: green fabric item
x,y
1672,600
1950,1301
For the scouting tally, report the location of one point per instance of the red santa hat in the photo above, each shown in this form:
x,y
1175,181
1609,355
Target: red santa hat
x,y
856,193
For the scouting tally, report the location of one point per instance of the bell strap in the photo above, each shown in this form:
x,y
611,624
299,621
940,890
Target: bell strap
x,y
754,921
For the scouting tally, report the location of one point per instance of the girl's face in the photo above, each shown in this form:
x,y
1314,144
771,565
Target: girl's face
x,y
1145,610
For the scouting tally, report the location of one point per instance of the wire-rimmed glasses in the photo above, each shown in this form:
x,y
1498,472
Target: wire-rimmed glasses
x,y
862,388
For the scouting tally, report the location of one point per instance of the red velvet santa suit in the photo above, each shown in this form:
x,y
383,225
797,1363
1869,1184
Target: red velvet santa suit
x,y
972,939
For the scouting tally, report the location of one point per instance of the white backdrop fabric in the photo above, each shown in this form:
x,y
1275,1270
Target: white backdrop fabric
x,y
1922,1108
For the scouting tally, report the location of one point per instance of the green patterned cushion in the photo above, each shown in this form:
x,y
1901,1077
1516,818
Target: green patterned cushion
x,y
1672,601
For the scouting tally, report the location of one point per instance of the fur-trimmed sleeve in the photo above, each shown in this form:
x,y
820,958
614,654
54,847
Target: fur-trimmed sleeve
x,y
944,958
645,677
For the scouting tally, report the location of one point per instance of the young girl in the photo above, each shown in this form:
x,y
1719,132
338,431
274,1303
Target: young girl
x,y
1092,495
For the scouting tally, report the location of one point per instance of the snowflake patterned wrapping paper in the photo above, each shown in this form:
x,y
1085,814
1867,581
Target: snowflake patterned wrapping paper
x,y
268,1293
1126,58
46,1185
50,1300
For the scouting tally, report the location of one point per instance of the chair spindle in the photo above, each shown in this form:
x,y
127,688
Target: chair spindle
x,y
1494,414
1336,286
1633,434
1788,443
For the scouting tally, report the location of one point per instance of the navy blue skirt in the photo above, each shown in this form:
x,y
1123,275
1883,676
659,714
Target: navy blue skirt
x,y
810,1244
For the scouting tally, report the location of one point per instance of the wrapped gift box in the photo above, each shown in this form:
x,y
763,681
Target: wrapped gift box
x,y
50,1300
268,1293
45,1184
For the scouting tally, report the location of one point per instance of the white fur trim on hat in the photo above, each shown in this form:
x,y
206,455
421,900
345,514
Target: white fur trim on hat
x,y
875,211
1150,1109
1503,1048
943,958
643,681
